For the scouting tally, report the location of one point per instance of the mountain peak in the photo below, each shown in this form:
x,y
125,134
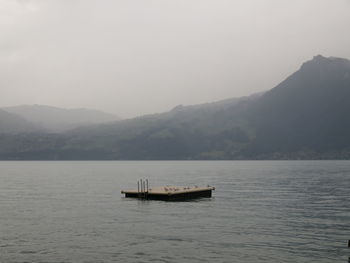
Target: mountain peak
x,y
319,57
321,64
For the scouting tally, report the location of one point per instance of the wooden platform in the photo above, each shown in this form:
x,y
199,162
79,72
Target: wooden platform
x,y
170,193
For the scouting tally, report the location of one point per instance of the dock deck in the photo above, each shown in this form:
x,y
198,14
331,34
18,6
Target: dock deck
x,y
170,193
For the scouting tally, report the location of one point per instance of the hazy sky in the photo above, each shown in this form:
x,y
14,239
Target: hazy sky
x,y
133,57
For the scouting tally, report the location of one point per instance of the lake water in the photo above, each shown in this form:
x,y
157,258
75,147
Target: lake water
x,y
261,211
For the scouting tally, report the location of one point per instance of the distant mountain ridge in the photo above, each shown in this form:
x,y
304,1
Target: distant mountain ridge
x,y
11,123
54,119
304,117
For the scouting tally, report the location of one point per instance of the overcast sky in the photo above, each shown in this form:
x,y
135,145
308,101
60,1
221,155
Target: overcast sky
x,y
133,57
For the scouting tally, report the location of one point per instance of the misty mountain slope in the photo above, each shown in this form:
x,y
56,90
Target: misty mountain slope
x,y
190,131
56,119
13,124
309,110
304,117
182,133
194,116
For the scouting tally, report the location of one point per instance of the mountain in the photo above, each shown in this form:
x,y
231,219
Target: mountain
x,y
306,112
304,117
55,119
13,124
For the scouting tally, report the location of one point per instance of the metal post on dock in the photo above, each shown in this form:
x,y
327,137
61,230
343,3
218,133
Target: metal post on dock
x,y
142,188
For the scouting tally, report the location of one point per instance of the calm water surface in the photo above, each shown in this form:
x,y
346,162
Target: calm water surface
x,y
264,211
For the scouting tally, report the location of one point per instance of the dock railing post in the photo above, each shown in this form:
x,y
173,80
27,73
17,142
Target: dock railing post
x,y
141,190
144,189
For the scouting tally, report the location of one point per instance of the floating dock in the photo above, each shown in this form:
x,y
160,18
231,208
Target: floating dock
x,y
168,193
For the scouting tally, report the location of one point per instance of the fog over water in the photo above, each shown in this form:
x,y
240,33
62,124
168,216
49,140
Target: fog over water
x,y
136,57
